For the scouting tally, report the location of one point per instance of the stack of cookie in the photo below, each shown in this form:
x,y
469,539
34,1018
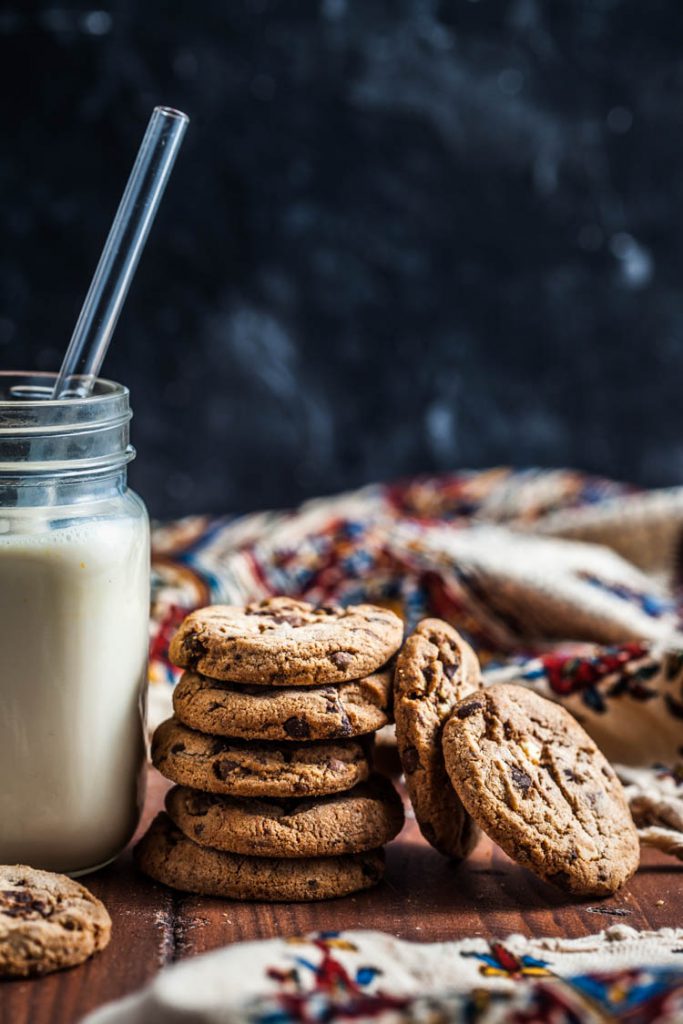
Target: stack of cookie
x,y
271,750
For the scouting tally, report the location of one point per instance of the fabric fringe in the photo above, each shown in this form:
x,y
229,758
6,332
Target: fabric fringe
x,y
655,806
663,839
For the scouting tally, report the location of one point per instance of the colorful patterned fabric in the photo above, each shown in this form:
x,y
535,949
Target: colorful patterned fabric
x,y
536,568
369,976
501,554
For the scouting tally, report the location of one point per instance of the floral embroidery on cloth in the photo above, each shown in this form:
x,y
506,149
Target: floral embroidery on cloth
x,y
370,976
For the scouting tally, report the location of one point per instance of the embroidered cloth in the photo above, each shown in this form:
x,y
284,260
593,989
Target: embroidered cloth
x,y
370,976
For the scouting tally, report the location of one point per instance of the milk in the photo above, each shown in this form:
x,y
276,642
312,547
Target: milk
x,y
74,602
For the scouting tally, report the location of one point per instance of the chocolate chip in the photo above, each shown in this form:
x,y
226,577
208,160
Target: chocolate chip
x,y
289,620
428,673
215,705
198,829
292,618
520,778
340,659
312,883
569,775
222,769
22,904
194,647
410,760
297,728
177,748
345,729
508,731
449,671
465,710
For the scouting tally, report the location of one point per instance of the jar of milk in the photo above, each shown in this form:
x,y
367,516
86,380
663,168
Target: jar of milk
x,y
74,605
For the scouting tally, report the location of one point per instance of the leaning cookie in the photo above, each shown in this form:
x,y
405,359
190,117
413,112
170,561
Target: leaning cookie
x,y
435,669
168,856
283,642
364,818
539,787
292,713
47,922
215,764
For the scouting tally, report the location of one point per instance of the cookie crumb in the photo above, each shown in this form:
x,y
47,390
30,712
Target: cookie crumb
x,y
609,911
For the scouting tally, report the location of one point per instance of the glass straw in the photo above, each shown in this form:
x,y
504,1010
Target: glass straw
x,y
121,253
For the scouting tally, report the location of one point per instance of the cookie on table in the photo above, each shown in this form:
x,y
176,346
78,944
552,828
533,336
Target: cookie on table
x,y
168,856
47,922
364,818
539,787
435,669
294,713
216,764
283,642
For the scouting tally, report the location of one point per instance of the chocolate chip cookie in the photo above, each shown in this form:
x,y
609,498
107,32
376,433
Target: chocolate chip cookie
x,y
170,857
283,642
362,819
47,922
435,669
216,764
539,787
293,713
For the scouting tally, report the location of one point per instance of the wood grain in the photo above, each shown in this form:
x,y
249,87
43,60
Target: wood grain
x,y
423,898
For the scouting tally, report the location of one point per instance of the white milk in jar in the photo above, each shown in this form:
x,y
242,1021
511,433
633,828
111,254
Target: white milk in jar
x,y
74,606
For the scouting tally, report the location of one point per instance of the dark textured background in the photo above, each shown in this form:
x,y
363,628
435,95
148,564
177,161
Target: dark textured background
x,y
401,236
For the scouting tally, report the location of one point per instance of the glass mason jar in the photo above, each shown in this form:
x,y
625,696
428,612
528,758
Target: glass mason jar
x,y
74,608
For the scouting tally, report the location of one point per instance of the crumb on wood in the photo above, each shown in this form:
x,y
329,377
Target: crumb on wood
x,y
609,911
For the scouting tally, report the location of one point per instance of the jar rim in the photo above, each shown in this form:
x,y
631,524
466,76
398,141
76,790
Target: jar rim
x,y
42,382
65,437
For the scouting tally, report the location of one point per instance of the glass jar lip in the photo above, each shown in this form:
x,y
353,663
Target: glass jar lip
x,y
42,382
65,438
38,414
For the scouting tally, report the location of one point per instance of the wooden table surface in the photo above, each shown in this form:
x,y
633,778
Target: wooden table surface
x,y
423,898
